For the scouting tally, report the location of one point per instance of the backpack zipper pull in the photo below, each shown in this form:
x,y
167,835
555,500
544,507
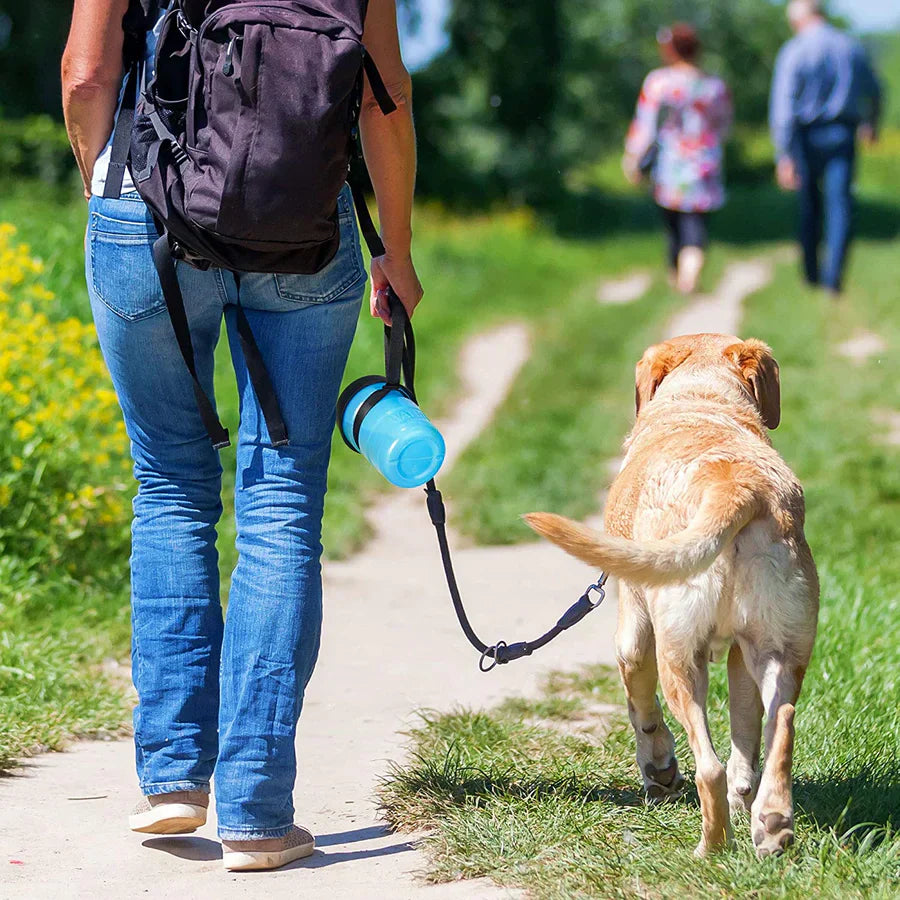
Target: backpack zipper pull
x,y
228,65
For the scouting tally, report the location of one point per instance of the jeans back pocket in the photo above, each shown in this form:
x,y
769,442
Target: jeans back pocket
x,y
345,272
120,241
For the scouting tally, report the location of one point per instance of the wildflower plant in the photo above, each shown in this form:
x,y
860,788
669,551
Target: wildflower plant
x,y
64,466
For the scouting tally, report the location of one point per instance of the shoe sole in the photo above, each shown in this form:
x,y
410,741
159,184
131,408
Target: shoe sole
x,y
256,860
168,818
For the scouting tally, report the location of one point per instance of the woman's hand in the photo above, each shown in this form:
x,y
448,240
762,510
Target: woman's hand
x,y
786,174
399,274
631,170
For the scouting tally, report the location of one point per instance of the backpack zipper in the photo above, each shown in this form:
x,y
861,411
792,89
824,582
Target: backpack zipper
x,y
228,65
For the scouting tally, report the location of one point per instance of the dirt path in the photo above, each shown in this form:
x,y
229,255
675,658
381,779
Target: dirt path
x,y
390,646
721,311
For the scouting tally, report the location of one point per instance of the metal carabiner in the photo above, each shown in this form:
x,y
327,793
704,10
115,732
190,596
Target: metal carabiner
x,y
597,587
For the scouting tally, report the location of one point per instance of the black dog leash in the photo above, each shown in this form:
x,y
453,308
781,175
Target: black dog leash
x,y
400,359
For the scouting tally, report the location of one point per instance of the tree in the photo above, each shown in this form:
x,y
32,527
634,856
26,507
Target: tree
x,y
32,37
524,93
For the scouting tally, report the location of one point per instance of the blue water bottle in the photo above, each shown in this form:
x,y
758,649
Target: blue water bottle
x,y
378,416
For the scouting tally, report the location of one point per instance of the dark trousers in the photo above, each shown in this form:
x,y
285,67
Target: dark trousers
x,y
683,229
825,161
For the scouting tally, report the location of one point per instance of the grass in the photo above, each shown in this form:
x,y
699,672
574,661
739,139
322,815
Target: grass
x,y
507,795
571,404
55,635
56,631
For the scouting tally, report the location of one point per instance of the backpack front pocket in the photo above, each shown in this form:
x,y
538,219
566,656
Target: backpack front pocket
x,y
291,92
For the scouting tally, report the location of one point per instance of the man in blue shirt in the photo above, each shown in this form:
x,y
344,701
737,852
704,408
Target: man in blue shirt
x,y
823,92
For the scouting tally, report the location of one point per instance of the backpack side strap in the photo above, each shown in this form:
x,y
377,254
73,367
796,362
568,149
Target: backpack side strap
x,y
165,268
259,378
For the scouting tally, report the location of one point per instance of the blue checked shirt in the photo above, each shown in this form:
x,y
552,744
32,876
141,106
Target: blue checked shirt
x,y
822,75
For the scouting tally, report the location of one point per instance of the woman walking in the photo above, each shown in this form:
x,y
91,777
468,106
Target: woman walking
x,y
683,117
224,697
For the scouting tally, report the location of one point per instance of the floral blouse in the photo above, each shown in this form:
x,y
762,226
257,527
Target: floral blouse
x,y
688,114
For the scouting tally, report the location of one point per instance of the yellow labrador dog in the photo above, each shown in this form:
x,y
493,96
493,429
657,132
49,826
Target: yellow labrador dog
x,y
704,527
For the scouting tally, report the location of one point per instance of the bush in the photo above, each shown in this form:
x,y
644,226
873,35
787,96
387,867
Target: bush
x,y
36,147
64,490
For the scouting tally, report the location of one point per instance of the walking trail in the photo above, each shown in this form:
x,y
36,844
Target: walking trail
x,y
391,646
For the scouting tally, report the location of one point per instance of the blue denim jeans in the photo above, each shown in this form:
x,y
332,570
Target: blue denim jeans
x,y
213,696
825,162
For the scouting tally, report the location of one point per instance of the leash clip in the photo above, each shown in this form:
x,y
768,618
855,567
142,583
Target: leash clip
x,y
598,588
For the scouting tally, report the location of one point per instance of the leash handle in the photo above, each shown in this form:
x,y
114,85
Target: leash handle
x,y
399,346
400,361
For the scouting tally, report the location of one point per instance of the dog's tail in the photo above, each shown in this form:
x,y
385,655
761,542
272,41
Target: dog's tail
x,y
727,505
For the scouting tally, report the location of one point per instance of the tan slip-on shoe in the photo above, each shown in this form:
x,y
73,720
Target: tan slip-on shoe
x,y
178,812
247,856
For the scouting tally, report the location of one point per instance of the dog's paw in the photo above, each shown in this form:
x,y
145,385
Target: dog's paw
x,y
662,785
706,848
741,797
773,833
743,785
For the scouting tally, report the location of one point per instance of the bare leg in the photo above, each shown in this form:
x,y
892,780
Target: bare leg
x,y
637,665
772,813
690,265
685,684
745,708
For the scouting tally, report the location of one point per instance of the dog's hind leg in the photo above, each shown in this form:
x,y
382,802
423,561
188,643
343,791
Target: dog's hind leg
x,y
746,710
772,813
636,653
685,681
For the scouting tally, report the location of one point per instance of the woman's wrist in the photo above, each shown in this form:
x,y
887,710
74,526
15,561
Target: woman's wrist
x,y
397,244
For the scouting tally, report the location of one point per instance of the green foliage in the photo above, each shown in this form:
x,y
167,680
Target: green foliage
x,y
64,485
35,147
885,52
64,514
523,94
32,37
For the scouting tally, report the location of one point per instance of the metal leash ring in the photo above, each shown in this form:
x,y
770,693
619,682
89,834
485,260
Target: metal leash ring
x,y
490,653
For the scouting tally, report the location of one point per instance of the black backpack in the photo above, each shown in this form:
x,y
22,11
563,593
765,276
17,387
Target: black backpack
x,y
240,144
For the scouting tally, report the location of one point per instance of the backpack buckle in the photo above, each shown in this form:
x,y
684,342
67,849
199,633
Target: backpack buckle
x,y
178,154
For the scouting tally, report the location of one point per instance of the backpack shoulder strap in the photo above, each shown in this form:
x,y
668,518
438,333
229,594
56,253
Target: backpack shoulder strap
x,y
139,18
376,82
121,142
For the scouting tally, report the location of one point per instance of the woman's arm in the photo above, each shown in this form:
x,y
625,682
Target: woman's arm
x,y
723,113
643,128
91,79
389,145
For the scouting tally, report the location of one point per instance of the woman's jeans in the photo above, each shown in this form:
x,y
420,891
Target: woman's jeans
x,y
216,696
825,162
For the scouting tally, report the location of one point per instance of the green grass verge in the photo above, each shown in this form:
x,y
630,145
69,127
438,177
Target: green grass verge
x,y
55,633
478,272
512,794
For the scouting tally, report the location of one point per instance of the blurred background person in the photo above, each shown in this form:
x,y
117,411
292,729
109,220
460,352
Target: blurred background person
x,y
824,91
682,119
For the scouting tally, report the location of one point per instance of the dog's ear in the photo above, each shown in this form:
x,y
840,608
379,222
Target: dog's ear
x,y
657,362
760,372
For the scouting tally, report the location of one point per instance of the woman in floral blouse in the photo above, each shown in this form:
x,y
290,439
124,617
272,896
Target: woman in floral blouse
x,y
683,116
